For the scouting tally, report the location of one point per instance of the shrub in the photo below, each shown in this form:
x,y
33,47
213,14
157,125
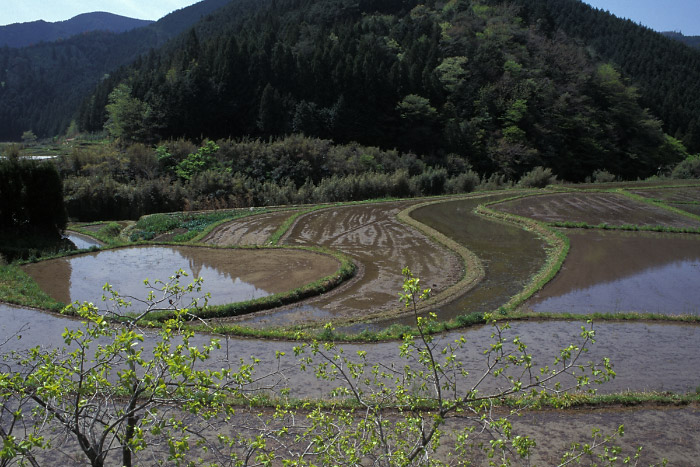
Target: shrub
x,y
689,168
539,177
463,183
603,176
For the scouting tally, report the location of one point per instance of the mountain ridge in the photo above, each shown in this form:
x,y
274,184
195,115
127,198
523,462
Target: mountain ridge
x,y
25,34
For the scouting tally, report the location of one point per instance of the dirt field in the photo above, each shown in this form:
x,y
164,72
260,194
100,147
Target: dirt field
x,y
670,433
382,246
253,230
671,195
594,208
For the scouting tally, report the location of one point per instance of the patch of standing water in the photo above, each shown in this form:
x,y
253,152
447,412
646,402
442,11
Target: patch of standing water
x,y
82,242
609,272
82,277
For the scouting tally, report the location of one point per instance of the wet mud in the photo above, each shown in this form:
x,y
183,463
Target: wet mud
x,y
230,275
594,208
253,230
689,208
646,357
381,246
611,272
510,255
672,195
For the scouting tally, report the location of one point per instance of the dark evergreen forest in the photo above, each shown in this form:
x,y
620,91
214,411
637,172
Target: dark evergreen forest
x,y
502,86
42,86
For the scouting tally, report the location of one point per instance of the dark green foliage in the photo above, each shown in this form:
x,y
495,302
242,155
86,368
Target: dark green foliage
x,y
666,72
31,198
442,80
42,86
689,168
32,215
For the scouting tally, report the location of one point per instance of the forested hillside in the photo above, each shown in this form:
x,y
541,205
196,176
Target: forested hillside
x,y
491,82
42,86
24,34
666,72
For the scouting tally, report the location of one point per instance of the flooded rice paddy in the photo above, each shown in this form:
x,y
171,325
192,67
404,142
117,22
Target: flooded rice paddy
x,y
595,208
509,254
381,246
605,271
646,357
82,242
610,272
230,275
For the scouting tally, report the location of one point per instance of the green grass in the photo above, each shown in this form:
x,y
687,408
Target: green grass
x,y
194,223
18,288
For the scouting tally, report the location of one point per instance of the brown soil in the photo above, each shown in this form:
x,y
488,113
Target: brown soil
x,y
381,246
689,208
253,230
594,208
663,432
671,195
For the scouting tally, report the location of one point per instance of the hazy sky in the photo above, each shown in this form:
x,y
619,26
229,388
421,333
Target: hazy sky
x,y
21,11
661,15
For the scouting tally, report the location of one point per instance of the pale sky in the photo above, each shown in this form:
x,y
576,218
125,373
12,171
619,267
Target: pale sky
x,y
661,15
22,11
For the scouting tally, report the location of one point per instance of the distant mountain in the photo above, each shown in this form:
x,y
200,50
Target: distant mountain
x,y
42,86
24,34
692,41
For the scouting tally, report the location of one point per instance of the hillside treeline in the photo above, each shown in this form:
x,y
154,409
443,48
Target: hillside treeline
x,y
105,182
460,77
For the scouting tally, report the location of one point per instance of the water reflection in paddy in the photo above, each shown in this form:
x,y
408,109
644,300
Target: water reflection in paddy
x,y
82,242
510,255
230,275
610,272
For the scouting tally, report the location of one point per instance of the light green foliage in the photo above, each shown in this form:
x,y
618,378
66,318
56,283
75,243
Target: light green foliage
x,y
117,394
451,72
430,385
197,162
109,388
539,177
28,137
417,108
128,116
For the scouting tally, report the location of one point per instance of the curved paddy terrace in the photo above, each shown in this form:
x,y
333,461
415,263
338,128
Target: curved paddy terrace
x,y
659,269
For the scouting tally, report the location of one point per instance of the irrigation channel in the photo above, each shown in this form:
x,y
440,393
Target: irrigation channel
x,y
647,356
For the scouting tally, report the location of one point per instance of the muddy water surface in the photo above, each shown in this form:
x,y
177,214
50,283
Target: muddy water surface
x,y
619,271
510,255
594,208
230,275
652,357
82,242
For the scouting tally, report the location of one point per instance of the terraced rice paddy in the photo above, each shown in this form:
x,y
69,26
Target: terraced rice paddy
x,y
603,272
595,208
229,275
